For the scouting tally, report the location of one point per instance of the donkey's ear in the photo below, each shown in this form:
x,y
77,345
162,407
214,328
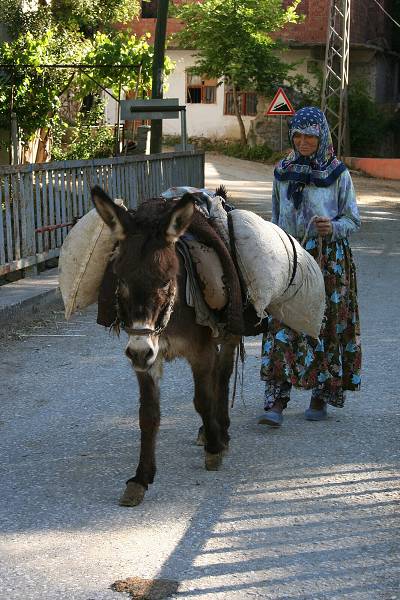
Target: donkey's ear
x,y
113,215
180,218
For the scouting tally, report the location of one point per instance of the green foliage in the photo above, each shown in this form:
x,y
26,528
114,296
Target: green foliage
x,y
303,92
35,92
233,40
260,153
90,14
80,15
368,123
119,48
87,139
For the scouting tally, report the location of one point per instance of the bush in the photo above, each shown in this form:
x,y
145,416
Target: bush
x,y
368,122
88,138
261,153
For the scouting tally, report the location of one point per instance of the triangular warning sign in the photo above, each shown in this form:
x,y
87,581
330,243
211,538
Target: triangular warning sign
x,y
280,105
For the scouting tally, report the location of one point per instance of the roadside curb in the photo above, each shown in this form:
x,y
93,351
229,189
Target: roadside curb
x,y
26,298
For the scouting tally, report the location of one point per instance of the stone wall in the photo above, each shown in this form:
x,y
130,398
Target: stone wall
x,y
268,130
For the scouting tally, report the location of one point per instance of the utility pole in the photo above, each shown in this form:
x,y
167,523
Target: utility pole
x,y
158,71
336,75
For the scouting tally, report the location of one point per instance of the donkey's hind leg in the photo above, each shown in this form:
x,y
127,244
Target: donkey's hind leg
x,y
205,402
222,373
149,421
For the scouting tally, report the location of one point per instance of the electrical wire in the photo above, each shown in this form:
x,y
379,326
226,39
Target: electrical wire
x,y
386,13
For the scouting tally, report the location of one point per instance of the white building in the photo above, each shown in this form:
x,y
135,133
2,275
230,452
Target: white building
x,y
209,109
209,105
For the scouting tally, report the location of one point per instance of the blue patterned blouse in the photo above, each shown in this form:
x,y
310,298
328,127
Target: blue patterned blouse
x,y
337,201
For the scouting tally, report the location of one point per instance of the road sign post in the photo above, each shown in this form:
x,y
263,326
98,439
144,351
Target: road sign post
x,y
280,106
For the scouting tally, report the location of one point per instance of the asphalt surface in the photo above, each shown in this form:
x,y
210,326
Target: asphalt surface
x,y
306,512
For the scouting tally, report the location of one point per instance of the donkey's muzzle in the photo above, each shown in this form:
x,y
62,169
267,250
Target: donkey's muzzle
x,y
141,359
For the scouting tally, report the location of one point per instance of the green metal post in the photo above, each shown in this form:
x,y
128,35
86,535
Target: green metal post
x,y
158,71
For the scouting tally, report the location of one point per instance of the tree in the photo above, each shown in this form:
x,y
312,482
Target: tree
x,y
233,41
119,48
91,15
85,16
44,38
31,90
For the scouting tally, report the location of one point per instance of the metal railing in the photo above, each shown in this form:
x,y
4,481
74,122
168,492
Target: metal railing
x,y
38,202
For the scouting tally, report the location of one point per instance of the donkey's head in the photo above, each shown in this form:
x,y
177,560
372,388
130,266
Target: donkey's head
x,y
146,266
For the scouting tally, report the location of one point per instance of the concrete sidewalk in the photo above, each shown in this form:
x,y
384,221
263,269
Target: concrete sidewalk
x,y
25,299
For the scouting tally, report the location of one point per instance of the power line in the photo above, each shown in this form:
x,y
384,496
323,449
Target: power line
x,y
386,13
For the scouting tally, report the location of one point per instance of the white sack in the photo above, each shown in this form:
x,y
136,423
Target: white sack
x,y
265,259
84,256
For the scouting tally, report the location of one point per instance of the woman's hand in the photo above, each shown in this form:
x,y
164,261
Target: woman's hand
x,y
323,226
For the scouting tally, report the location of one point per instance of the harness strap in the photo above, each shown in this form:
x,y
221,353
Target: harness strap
x,y
142,331
295,261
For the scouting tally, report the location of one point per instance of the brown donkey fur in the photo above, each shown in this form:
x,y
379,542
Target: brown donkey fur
x,y
152,310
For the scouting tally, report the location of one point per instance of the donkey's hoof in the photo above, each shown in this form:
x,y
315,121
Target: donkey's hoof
x,y
213,461
133,495
201,440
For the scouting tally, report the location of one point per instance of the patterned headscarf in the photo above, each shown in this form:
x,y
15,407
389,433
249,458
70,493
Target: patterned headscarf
x,y
321,168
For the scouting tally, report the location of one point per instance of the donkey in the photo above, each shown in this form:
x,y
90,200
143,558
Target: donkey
x,y
153,312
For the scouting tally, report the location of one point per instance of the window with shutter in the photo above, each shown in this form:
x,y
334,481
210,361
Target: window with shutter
x,y
247,102
200,90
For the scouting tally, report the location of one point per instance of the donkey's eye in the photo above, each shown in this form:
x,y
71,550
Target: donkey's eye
x,y
165,286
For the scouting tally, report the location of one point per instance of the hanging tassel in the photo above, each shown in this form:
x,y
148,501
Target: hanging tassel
x,y
240,353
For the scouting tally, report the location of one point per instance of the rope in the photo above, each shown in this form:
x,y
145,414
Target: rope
x,y
242,358
236,377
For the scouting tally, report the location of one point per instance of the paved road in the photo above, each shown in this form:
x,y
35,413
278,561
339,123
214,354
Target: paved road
x,y
307,512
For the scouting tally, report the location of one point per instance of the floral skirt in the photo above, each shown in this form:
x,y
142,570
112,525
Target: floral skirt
x,y
331,364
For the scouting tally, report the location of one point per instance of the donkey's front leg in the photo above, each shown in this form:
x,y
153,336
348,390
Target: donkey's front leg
x,y
205,402
149,421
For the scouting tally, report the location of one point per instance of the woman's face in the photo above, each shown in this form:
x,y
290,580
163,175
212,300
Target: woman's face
x,y
305,144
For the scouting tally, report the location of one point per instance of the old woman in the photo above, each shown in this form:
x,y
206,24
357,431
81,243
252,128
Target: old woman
x,y
313,200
